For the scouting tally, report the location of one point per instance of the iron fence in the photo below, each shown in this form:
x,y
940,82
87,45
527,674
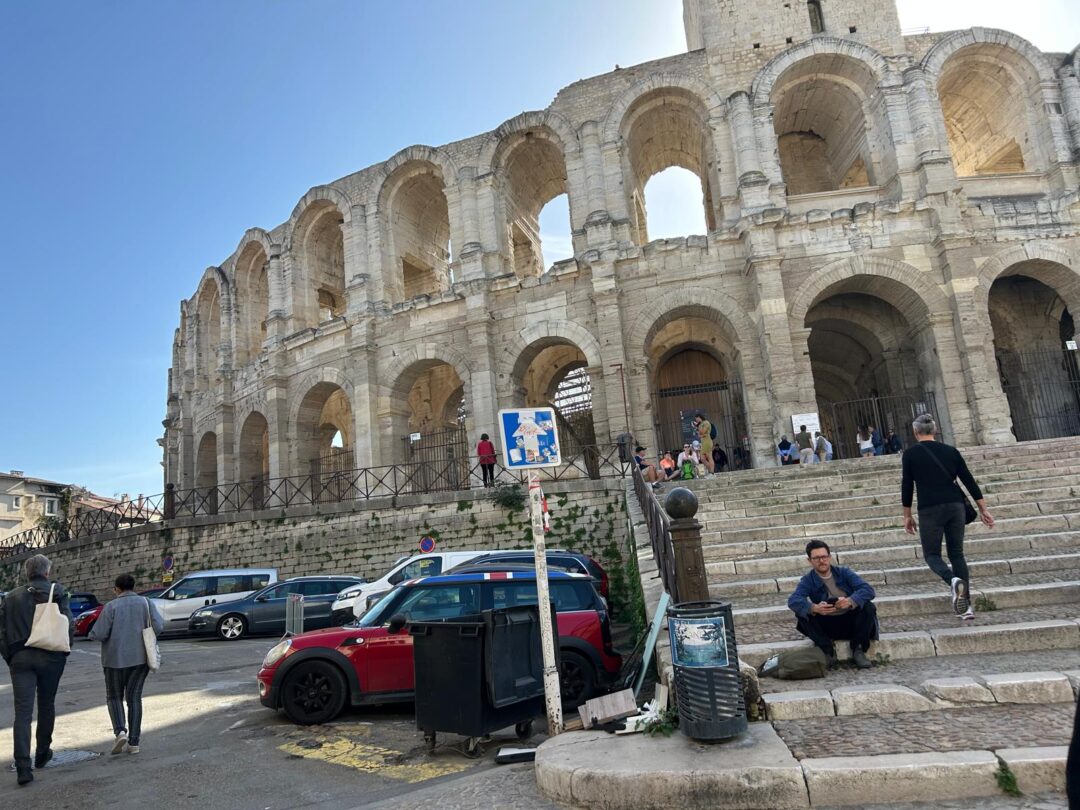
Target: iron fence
x,y
659,525
1043,390
840,421
412,478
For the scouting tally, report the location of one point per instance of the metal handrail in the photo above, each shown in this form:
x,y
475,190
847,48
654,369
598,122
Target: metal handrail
x,y
411,478
659,524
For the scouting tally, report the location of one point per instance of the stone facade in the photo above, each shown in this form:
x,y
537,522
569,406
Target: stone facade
x,y
884,214
587,516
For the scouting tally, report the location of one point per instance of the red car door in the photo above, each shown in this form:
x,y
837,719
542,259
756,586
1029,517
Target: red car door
x,y
388,661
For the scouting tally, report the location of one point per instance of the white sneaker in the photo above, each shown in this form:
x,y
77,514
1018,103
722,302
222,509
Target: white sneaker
x,y
968,615
121,741
960,599
132,749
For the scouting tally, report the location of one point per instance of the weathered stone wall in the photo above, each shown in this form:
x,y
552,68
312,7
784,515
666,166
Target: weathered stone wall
x,y
340,538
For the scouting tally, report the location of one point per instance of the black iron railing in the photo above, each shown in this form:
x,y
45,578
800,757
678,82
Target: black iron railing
x,y
413,478
659,524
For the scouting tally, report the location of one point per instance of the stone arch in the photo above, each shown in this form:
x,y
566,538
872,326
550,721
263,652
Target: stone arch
x,y
253,450
550,124
315,240
872,60
320,406
413,202
1053,266
324,374
530,166
257,236
547,333
418,153
206,472
325,195
403,370
832,129
720,307
664,122
213,315
905,287
944,48
251,275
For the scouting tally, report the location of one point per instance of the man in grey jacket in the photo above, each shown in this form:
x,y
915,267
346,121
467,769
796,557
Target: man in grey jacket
x,y
34,672
119,628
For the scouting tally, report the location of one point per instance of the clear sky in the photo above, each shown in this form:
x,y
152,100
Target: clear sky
x,y
139,140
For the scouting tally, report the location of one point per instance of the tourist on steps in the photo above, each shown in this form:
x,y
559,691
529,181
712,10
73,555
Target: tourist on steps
x,y
933,467
119,628
805,443
834,603
35,673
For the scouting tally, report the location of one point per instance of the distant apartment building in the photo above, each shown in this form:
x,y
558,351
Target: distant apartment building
x,y
25,500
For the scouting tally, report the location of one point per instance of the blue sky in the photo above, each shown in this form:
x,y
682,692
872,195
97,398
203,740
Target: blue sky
x,y
141,139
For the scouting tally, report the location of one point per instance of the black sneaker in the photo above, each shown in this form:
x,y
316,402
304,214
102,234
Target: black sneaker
x,y
25,776
960,599
831,660
41,759
860,660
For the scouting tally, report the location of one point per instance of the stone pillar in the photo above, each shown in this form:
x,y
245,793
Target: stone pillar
x,y
990,415
363,374
902,158
483,405
691,578
470,223
226,441
277,320
753,184
1070,99
279,440
724,177
614,391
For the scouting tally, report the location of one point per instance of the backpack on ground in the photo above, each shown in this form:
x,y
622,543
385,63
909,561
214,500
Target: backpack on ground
x,y
799,664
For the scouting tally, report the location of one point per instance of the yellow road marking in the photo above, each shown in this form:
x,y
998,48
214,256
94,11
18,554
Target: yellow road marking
x,y
368,758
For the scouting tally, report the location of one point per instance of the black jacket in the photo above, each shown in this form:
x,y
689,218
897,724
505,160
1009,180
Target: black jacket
x,y
17,614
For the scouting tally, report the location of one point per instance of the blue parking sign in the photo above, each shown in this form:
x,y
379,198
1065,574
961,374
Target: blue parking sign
x,y
529,438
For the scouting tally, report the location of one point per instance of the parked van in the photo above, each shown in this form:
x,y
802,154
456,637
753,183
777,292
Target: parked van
x,y
353,601
204,588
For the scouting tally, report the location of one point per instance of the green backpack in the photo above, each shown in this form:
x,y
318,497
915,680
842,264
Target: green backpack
x,y
799,664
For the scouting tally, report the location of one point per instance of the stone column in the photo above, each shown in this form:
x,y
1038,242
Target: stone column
x,y
1070,99
277,319
226,440
614,392
277,425
928,130
593,159
753,184
691,578
483,405
903,158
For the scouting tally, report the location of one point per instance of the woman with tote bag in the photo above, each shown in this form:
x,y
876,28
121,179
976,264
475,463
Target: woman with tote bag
x,y
127,629
35,639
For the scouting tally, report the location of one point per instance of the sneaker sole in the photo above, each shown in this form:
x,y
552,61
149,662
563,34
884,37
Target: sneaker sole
x,y
962,602
118,746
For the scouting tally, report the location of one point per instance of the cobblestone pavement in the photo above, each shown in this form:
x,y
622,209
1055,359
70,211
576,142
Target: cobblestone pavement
x,y
1050,801
785,631
978,729
912,672
935,586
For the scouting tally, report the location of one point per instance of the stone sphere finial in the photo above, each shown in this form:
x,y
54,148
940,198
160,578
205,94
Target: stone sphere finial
x,y
681,503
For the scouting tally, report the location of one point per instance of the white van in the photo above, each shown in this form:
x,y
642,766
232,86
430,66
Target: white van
x,y
353,601
204,588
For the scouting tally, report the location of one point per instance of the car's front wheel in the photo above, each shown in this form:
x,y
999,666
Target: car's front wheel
x,y
577,678
313,692
232,627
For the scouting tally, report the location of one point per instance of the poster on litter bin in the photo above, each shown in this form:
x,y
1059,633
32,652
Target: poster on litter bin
x,y
698,642
529,438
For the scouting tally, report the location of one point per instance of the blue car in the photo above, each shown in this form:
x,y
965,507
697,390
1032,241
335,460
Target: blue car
x,y
82,602
263,612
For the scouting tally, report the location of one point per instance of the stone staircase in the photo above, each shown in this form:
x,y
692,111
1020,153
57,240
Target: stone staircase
x,y
1005,684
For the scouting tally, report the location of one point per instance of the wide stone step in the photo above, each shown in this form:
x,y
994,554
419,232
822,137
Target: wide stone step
x,y
917,604
1020,636
981,569
934,693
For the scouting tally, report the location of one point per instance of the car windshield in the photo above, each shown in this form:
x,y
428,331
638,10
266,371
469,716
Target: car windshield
x,y
375,611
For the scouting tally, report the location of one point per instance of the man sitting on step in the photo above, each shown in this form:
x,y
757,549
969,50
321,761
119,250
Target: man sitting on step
x,y
834,603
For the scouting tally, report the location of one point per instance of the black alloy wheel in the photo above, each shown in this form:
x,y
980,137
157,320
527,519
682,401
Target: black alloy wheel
x,y
577,679
313,692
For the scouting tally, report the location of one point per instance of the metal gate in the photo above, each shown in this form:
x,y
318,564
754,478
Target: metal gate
x,y
840,421
720,402
329,483
1043,390
572,404
438,460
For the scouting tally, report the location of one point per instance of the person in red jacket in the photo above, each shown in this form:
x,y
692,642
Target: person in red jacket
x,y
486,451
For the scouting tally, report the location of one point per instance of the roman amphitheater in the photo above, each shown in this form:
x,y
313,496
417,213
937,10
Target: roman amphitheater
x,y
892,225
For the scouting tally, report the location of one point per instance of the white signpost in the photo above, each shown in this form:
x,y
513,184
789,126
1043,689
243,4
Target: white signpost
x,y
530,442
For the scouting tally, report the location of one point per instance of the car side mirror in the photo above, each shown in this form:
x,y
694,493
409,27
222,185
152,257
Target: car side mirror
x,y
397,621
262,598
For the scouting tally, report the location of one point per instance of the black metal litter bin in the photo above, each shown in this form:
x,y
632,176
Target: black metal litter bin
x,y
478,674
707,686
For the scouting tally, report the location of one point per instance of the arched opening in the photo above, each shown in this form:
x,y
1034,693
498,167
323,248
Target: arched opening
x,y
666,196
554,372
427,425
990,100
830,125
533,175
663,129
873,359
254,460
419,230
253,299
323,252
695,370
325,413
1039,374
208,332
817,18
556,234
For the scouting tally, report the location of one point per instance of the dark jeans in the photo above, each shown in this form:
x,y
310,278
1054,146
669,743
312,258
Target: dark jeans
x,y
944,519
34,673
489,474
859,626
122,684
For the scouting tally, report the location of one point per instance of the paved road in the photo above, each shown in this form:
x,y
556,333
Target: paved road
x,y
207,742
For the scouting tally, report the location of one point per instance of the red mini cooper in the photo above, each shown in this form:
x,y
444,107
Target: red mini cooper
x,y
314,675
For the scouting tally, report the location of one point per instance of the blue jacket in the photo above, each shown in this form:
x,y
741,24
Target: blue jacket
x,y
812,590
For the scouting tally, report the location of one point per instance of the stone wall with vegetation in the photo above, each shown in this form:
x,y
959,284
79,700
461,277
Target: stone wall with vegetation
x,y
351,538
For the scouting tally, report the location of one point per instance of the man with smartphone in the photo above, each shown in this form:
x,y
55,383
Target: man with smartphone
x,y
834,603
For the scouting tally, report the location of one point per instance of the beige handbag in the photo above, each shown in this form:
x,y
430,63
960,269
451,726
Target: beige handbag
x,y
51,629
149,637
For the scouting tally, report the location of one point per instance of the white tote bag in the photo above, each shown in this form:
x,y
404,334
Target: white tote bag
x,y
149,638
51,629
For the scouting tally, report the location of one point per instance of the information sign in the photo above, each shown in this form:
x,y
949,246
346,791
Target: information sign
x,y
530,439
